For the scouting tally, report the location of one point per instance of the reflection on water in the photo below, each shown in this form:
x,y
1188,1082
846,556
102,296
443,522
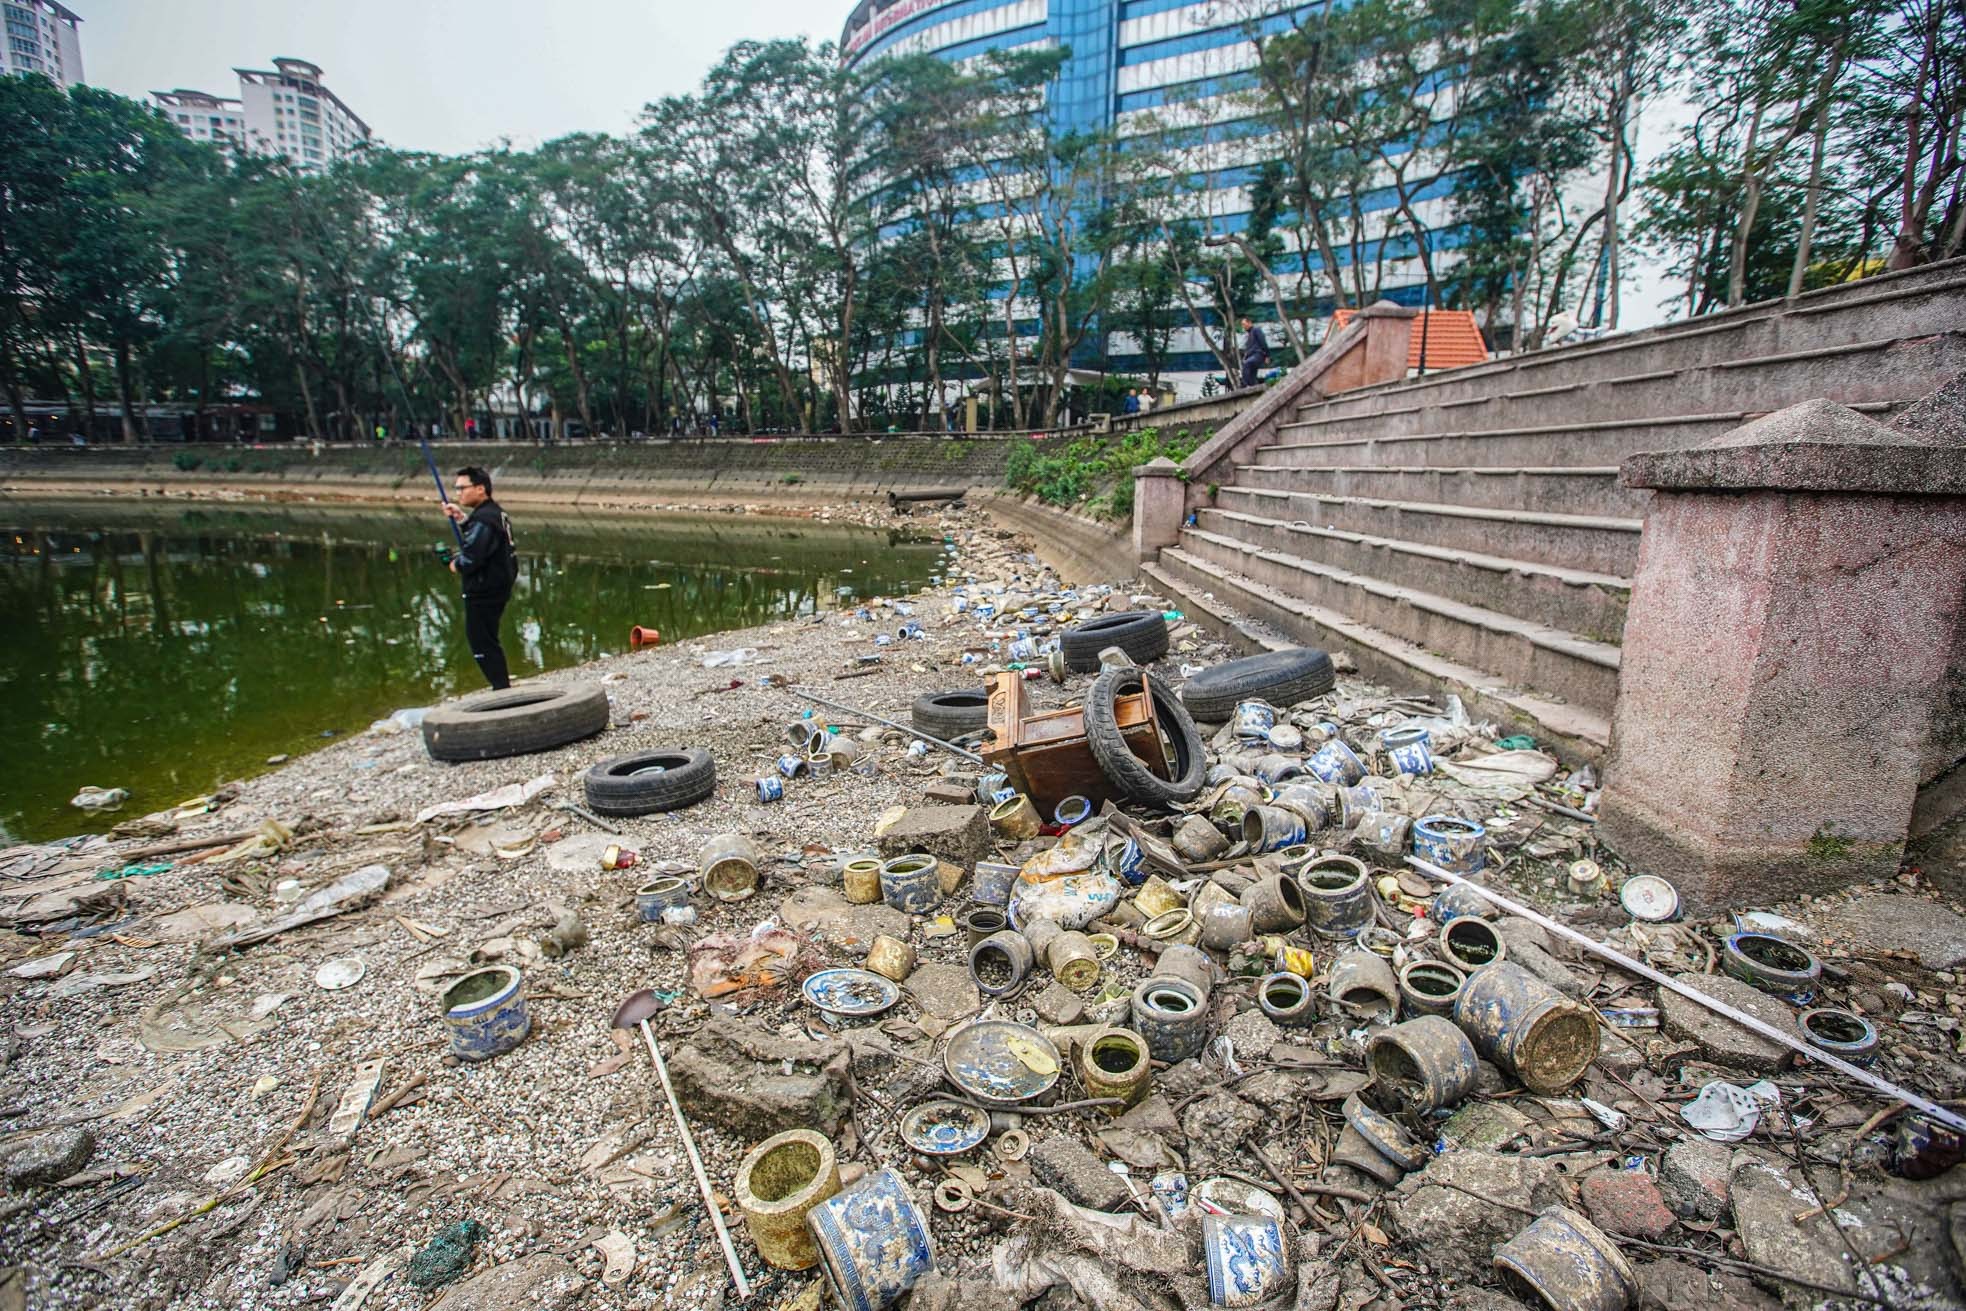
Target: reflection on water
x,y
165,650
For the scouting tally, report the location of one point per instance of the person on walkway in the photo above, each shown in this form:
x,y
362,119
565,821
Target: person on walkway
x,y
1255,351
1147,401
487,563
1131,405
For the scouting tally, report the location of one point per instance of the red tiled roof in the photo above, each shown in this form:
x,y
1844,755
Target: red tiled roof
x,y
1452,338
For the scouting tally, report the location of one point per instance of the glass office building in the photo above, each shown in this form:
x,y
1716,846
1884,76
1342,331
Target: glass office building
x,y
1135,66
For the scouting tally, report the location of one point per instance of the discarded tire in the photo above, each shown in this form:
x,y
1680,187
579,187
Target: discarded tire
x,y
645,782
1142,634
1126,771
1282,678
515,722
951,714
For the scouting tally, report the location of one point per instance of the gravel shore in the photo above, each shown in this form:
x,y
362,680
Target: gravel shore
x,y
194,1089
500,1142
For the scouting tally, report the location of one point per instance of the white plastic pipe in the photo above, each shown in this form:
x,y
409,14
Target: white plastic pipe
x,y
1924,1105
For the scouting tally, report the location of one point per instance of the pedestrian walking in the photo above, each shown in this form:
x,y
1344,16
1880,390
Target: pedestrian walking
x,y
1255,351
487,564
1131,405
1147,401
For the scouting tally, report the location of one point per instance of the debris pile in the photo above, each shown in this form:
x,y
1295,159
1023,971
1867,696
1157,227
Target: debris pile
x,y
1090,966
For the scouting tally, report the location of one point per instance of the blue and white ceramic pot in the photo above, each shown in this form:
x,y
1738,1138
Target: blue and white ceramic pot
x,y
1246,1260
873,1242
486,1013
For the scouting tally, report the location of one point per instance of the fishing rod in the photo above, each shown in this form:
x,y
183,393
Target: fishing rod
x,y
442,495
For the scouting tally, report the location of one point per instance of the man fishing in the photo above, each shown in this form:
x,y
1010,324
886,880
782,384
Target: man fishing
x,y
487,563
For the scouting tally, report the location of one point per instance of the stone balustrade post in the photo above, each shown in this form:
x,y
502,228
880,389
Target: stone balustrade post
x,y
1160,503
1792,654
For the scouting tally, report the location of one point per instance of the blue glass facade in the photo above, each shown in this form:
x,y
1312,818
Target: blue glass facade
x,y
1138,55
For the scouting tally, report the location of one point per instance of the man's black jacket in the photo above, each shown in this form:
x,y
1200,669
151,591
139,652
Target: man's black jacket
x,y
487,563
1256,347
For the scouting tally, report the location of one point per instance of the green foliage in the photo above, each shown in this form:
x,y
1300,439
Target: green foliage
x,y
795,244
185,461
793,479
1068,473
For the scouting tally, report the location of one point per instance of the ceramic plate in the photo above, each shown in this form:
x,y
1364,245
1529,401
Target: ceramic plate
x,y
1001,1063
940,1128
342,972
1650,898
853,993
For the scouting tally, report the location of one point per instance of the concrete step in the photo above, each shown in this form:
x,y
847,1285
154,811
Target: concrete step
x,y
1849,321
1259,617
1582,489
1591,605
1595,444
1600,544
1883,369
1552,659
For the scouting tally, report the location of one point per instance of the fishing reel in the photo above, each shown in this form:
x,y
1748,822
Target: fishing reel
x,y
444,552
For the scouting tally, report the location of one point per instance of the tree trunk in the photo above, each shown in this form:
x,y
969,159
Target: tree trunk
x,y
1908,249
1621,99
307,395
579,374
1737,262
125,391
86,375
1812,201
17,402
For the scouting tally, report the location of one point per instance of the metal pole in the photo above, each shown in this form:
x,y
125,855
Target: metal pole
x,y
950,747
1742,1018
696,1164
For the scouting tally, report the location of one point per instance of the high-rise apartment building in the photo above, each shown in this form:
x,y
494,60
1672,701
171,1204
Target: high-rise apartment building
x,y
1140,67
285,110
41,38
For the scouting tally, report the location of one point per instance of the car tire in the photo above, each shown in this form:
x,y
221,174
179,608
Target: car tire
x,y
1127,773
952,714
515,721
1282,678
1142,634
644,782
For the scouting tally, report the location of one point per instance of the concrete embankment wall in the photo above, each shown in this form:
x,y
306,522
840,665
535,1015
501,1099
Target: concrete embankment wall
x,y
615,473
1081,549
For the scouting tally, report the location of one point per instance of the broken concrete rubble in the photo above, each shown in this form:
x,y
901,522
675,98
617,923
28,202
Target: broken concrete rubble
x,y
755,1083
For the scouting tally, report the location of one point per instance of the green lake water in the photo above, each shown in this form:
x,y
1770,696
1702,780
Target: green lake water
x,y
167,649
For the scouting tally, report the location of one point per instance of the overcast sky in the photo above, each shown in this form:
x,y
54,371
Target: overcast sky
x,y
446,75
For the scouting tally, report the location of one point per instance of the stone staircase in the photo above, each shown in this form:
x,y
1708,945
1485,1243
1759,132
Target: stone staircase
x,y
1468,531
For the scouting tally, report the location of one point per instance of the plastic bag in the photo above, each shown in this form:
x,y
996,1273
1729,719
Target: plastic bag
x,y
1072,902
730,659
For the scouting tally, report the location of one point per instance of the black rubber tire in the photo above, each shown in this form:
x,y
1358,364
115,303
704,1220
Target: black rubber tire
x,y
515,722
952,714
1142,634
1282,678
1127,773
614,787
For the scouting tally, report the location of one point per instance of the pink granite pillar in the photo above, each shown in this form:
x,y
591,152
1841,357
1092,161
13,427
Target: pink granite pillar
x,y
1786,654
1160,503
